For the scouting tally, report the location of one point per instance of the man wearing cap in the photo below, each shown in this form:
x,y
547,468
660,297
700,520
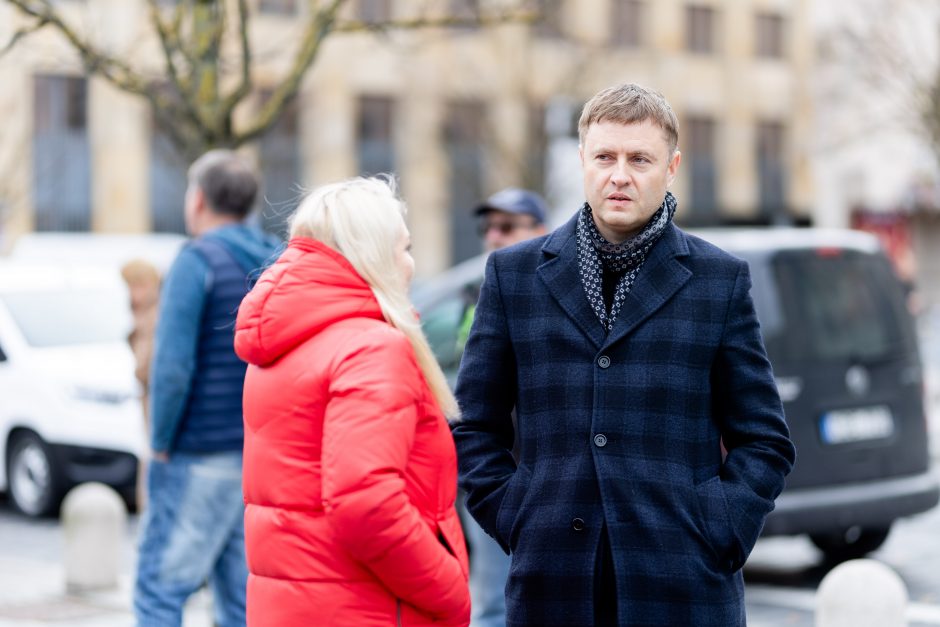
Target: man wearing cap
x,y
507,217
510,216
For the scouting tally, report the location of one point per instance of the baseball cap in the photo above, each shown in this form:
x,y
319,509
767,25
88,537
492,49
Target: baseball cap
x,y
515,200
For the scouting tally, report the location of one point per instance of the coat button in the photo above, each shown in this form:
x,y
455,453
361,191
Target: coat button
x,y
600,440
577,524
603,361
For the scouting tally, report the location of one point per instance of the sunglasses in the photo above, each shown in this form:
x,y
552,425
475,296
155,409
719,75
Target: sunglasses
x,y
505,227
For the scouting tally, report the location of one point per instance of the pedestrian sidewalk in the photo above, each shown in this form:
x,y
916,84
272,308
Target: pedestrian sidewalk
x,y
33,593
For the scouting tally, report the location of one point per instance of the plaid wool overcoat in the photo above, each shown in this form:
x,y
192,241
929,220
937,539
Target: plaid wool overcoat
x,y
621,429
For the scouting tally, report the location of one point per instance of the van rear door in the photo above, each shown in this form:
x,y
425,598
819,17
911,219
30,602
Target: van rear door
x,y
844,352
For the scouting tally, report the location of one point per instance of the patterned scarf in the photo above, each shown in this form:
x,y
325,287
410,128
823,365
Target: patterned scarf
x,y
596,255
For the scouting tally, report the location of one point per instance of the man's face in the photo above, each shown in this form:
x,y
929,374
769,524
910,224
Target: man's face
x,y
500,229
627,169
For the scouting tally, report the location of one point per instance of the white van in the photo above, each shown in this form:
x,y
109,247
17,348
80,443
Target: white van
x,y
71,409
99,249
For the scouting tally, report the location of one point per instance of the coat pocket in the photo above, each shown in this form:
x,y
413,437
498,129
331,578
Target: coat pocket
x,y
453,539
717,524
509,507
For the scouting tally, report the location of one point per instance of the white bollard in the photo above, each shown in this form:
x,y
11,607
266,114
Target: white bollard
x,y
94,521
861,593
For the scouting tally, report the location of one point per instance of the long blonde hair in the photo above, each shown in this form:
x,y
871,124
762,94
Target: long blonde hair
x,y
363,218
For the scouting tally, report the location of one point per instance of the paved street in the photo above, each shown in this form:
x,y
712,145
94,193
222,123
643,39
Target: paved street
x,y
781,576
32,580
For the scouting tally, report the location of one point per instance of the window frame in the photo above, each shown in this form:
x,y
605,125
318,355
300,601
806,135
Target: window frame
x,y
701,29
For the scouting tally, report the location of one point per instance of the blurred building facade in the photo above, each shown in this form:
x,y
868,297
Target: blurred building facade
x,y
875,166
456,114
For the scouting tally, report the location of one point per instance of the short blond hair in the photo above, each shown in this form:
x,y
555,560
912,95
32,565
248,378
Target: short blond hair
x,y
627,104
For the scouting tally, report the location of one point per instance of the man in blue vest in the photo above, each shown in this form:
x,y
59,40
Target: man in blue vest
x,y
192,529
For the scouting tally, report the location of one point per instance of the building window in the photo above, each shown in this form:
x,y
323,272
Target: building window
x,y
168,171
770,35
627,23
463,134
771,169
374,132
374,11
700,151
282,7
167,184
700,25
280,166
464,9
61,155
548,23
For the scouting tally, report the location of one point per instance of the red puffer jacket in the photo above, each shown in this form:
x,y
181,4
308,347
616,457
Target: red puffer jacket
x,y
350,472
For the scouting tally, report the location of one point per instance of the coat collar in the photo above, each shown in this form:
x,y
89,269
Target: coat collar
x,y
660,277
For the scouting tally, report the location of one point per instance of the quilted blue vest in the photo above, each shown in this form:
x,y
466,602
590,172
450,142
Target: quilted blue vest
x,y
212,420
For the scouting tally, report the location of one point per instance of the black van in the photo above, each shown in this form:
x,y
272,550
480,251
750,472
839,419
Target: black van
x,y
845,356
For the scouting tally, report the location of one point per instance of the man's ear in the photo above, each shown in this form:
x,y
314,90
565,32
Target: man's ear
x,y
199,200
673,168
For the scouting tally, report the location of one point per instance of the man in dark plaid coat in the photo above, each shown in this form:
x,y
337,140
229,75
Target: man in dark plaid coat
x,y
631,352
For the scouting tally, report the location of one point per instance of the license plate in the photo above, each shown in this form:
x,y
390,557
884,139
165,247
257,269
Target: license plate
x,y
856,425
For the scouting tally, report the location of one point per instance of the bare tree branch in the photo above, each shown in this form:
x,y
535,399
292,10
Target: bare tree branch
x,y
320,26
169,40
112,70
244,87
198,112
182,134
116,72
878,61
21,34
170,44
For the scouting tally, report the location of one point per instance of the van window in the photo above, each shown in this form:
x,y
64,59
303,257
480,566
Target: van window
x,y
835,305
69,316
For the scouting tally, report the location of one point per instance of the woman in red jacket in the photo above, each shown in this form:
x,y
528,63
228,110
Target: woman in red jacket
x,y
350,470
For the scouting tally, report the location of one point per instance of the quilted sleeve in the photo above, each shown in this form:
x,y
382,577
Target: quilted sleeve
x,y
369,430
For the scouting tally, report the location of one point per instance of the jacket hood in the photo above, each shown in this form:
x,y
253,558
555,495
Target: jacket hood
x,y
252,248
310,287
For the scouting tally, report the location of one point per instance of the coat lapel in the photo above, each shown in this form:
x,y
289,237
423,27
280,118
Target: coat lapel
x,y
560,274
660,277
